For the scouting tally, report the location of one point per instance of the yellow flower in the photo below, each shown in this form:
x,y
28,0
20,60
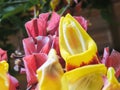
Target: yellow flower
x,y
112,83
76,46
4,82
50,73
84,78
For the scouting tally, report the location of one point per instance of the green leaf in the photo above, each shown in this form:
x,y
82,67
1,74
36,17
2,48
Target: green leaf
x,y
9,8
13,11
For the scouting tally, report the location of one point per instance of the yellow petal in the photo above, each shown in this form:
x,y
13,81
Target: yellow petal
x,y
76,46
4,82
112,83
84,78
50,73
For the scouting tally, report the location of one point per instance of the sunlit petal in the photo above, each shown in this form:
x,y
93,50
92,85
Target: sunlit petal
x,y
4,81
84,78
50,73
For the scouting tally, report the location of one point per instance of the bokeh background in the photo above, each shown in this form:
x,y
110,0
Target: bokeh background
x,y
103,23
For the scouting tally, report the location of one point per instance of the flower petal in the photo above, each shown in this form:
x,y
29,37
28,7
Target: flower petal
x,y
43,44
29,46
53,23
44,16
32,63
31,27
37,26
55,44
7,82
105,55
82,21
114,61
76,46
50,73
4,81
3,55
14,85
40,44
84,78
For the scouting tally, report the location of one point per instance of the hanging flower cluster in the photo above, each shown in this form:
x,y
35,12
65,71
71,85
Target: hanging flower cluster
x,y
43,35
60,55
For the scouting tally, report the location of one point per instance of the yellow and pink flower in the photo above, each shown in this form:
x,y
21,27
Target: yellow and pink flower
x,y
56,39
7,82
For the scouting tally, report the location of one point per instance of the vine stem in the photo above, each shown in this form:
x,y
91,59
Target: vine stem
x,y
68,5
35,11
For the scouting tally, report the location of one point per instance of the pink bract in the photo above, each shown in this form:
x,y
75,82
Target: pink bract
x,y
53,24
43,25
82,21
105,55
47,24
112,60
39,44
3,55
32,63
14,85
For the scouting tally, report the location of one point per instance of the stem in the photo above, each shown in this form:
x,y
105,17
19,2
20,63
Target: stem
x,y
35,11
65,9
